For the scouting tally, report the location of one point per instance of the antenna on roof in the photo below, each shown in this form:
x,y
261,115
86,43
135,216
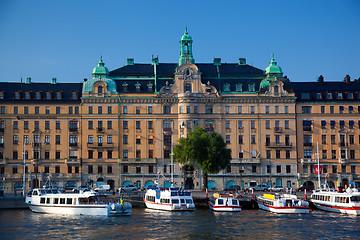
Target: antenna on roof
x,y
20,77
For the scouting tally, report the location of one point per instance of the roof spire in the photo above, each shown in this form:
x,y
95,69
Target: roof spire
x,y
186,32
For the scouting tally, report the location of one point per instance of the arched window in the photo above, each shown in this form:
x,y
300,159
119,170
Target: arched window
x,y
187,87
186,49
276,89
100,89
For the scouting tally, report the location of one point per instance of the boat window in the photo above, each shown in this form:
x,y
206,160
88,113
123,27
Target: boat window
x,y
69,201
173,194
35,192
355,198
175,201
189,200
56,201
234,202
48,200
220,202
182,200
42,200
187,193
150,198
62,200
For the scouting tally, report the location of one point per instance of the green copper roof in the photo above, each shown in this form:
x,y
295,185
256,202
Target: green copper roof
x,y
186,36
271,72
100,70
88,86
273,68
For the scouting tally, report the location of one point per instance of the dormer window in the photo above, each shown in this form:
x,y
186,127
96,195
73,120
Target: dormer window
x,y
318,95
329,95
252,88
238,87
149,87
305,95
48,95
27,96
167,90
340,95
350,95
276,89
38,96
187,87
17,96
100,89
58,96
74,96
137,87
125,87
1,95
227,87
208,90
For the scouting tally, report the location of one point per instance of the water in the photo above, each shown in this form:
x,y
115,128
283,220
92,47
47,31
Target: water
x,y
200,224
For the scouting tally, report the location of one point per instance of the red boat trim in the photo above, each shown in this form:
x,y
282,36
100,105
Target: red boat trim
x,y
336,207
223,206
292,207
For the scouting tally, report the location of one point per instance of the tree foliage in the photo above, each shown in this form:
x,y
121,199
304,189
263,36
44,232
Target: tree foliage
x,y
207,151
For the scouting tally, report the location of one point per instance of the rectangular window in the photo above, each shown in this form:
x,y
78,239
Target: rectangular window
x,y
267,124
99,110
109,139
138,125
90,110
286,124
252,109
323,139
227,137
306,109
16,111
47,125
288,168
57,125
167,109
227,124
252,123
15,125
109,169
267,109
278,168
149,110
324,154
208,109
331,109
109,110
286,109
333,154
125,124
90,169
268,168
253,139
240,125
125,154
137,110
332,139
57,155
125,169
334,169
57,139
70,110
26,110
151,169
277,154
57,110
276,109
322,109
57,169
239,109
241,139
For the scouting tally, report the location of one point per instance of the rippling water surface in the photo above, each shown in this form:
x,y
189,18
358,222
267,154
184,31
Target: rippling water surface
x,y
200,224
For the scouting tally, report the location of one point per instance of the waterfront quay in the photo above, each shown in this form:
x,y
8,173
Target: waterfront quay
x,y
11,201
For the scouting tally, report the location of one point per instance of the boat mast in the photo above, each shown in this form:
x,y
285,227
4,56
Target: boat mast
x,y
24,186
172,164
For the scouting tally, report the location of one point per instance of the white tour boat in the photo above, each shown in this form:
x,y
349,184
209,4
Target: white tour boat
x,y
286,203
47,200
340,202
170,199
224,203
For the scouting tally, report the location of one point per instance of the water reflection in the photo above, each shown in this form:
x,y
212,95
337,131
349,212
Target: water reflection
x,y
199,224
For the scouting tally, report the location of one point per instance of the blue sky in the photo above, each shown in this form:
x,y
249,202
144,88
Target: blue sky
x,y
64,39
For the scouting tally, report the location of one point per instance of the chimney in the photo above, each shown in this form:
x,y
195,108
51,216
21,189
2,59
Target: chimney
x,y
130,61
242,61
53,80
347,79
28,80
217,61
321,79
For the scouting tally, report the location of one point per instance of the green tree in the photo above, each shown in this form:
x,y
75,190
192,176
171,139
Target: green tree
x,y
207,151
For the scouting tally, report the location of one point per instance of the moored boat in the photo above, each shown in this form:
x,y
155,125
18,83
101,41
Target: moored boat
x,y
340,202
224,203
169,199
47,200
286,203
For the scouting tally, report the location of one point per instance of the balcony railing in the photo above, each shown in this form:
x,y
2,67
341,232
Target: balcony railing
x,y
307,144
100,145
343,144
73,129
36,145
278,129
73,144
343,161
307,128
278,144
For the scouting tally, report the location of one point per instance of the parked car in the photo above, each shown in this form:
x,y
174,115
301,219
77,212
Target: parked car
x,y
129,188
260,187
302,188
277,189
232,188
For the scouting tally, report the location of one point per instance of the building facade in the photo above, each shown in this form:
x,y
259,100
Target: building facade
x,y
119,126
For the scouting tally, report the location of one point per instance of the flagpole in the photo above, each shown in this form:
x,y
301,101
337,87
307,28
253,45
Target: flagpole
x,y
318,163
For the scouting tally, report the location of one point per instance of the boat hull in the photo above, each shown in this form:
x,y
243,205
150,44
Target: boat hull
x,y
99,210
170,207
225,208
302,210
338,209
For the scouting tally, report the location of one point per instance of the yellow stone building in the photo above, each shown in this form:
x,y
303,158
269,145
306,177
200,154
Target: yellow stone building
x,y
118,127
